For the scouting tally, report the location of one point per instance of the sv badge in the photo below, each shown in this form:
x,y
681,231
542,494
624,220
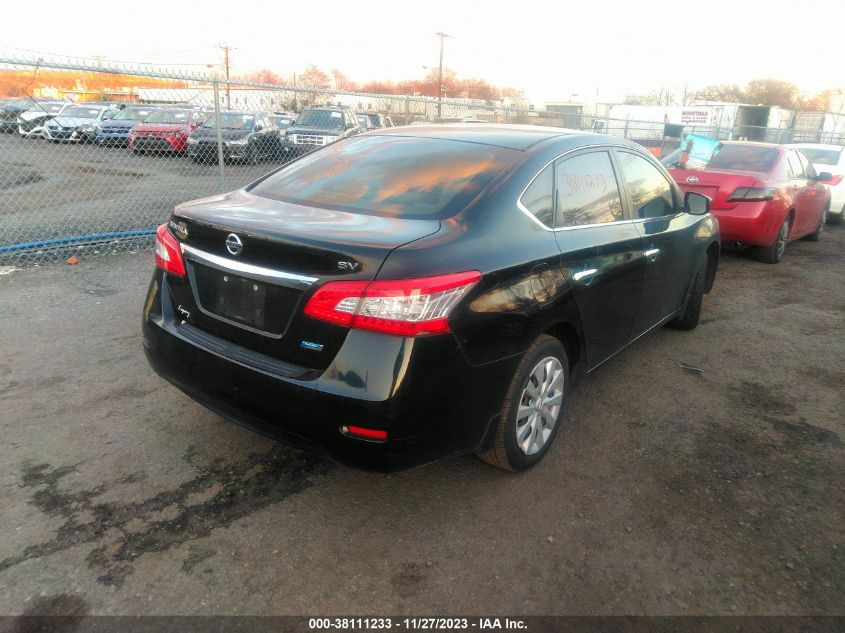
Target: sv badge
x,y
352,266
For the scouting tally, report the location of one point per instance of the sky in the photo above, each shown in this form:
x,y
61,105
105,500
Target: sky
x,y
552,50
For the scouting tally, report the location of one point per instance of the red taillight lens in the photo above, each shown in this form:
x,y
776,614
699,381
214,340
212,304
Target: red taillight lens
x,y
752,194
369,434
405,307
168,252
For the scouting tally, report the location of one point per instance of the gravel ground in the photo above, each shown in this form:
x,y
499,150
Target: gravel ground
x,y
668,491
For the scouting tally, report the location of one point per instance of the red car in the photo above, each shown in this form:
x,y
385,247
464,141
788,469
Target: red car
x,y
165,130
763,195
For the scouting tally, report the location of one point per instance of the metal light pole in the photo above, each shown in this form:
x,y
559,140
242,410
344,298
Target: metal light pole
x,y
442,36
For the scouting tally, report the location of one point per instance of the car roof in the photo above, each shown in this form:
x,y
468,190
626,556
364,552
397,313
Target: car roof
x,y
519,137
752,144
816,146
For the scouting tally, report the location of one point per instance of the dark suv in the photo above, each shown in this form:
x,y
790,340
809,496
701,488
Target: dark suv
x,y
417,292
317,127
244,136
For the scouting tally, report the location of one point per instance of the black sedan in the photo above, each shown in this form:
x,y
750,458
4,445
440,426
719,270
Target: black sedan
x,y
417,292
244,136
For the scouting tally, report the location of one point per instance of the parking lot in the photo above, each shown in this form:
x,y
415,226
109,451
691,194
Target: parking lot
x,y
57,190
714,490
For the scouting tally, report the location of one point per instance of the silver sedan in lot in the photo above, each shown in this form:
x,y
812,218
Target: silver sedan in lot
x,y
78,123
829,158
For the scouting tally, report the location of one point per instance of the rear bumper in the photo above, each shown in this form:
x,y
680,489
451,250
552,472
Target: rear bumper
x,y
752,223
837,200
157,143
208,151
423,392
118,136
73,135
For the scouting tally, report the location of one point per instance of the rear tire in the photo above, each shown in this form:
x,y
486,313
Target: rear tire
x,y
688,318
817,234
530,416
773,253
836,218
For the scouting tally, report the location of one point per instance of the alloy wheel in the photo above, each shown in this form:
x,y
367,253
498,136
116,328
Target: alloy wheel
x,y
539,405
783,236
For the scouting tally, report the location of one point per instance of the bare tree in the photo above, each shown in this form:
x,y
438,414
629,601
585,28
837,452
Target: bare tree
x,y
771,92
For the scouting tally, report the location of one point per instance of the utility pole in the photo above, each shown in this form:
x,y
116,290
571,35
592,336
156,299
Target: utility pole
x,y
442,36
226,48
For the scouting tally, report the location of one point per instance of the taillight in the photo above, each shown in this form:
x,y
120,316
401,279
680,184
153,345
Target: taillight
x,y
377,435
405,307
168,252
752,194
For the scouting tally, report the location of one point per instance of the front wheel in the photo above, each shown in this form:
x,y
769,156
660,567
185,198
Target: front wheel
x,y
688,318
530,415
773,253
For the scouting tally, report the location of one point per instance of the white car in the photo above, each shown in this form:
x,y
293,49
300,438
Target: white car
x,y
77,123
31,122
829,158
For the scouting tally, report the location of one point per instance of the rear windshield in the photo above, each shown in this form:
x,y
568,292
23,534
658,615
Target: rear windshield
x,y
81,112
737,157
231,121
169,116
389,176
132,114
819,156
51,108
327,119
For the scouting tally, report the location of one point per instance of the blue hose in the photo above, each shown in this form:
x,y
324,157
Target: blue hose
x,y
75,238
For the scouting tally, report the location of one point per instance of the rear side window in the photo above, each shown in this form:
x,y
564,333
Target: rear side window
x,y
651,194
390,176
821,156
795,168
538,196
587,192
809,171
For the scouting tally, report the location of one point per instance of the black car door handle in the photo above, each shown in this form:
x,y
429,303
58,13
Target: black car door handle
x,y
652,254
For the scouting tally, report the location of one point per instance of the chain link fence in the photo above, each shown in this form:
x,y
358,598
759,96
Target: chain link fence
x,y
94,157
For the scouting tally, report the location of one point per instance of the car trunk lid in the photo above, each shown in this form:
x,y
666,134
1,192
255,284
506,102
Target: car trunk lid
x,y
250,289
716,185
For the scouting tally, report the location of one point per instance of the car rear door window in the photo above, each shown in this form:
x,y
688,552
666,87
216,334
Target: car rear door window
x,y
796,170
538,197
809,170
586,191
651,194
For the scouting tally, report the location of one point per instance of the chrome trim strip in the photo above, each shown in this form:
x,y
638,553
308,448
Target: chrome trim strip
x,y
249,270
651,252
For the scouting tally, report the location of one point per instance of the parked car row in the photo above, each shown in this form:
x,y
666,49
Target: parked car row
x,y
766,195
247,136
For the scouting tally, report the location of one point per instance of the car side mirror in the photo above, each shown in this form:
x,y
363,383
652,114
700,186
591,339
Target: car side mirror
x,y
696,203
824,176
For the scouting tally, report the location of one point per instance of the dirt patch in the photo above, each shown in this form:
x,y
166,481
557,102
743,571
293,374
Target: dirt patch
x,y
243,488
19,181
